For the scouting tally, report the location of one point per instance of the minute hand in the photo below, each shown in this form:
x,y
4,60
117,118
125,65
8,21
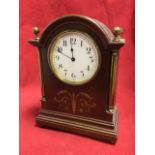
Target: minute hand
x,y
65,55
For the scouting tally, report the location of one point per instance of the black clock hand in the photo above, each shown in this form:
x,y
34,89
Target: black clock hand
x,y
65,55
72,52
73,59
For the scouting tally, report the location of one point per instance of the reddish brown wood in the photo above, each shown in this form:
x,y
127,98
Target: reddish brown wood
x,y
99,121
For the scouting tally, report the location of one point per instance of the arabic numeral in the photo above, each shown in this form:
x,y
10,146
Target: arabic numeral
x,y
59,49
64,42
60,66
65,70
72,41
73,75
88,68
88,49
82,72
81,43
57,57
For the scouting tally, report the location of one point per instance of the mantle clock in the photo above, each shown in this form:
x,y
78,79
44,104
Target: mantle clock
x,y
78,65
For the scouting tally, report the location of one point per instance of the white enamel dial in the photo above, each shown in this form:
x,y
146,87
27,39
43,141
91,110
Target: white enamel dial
x,y
74,57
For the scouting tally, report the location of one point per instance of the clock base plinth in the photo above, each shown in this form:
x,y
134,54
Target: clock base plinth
x,y
94,128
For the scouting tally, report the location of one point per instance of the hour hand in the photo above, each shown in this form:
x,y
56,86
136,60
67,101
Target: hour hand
x,y
72,52
73,59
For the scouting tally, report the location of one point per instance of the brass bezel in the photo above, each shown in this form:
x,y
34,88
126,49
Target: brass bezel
x,y
54,71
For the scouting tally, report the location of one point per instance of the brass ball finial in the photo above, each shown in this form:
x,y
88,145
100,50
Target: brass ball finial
x,y
36,31
117,31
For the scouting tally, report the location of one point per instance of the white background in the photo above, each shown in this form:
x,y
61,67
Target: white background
x,y
145,77
9,77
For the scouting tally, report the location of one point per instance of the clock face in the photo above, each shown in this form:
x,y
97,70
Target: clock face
x,y
74,57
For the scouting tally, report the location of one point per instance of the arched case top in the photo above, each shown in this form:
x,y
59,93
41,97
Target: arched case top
x,y
76,22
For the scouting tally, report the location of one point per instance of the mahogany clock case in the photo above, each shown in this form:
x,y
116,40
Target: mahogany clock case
x,y
86,109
